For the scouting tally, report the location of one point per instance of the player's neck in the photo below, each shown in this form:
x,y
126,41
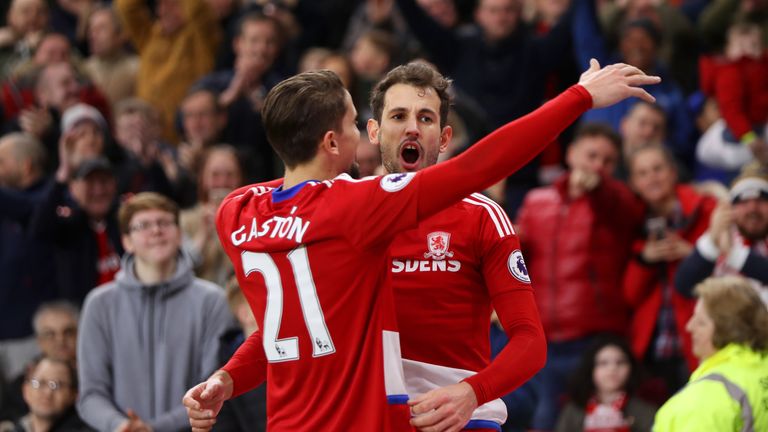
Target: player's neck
x,y
309,171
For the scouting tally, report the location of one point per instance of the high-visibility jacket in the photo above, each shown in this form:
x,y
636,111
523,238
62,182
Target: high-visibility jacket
x,y
728,392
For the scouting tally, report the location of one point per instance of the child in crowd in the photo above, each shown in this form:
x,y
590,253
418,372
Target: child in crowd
x,y
601,393
739,82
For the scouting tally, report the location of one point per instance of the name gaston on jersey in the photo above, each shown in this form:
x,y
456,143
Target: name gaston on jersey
x,y
437,251
282,227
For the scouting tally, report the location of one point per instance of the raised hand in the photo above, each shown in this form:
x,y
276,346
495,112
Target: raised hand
x,y
671,248
35,121
378,10
582,181
615,83
720,226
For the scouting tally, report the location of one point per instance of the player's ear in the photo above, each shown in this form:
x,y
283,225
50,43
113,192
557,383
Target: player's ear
x,y
373,131
445,138
329,144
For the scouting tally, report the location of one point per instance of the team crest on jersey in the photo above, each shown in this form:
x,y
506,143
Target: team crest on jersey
x,y
395,182
437,244
516,266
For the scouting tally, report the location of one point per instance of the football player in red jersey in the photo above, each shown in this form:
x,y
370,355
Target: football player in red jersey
x,y
464,260
311,255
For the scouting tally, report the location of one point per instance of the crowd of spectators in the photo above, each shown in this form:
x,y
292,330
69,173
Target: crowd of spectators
x,y
129,119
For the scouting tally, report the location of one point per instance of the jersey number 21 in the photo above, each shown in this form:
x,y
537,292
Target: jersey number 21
x,y
287,349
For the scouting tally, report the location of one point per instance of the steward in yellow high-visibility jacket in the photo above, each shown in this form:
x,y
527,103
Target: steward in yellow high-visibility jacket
x,y
728,392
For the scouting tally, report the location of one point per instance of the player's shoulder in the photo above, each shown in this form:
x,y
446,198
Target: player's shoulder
x,y
389,182
483,209
254,190
246,197
248,193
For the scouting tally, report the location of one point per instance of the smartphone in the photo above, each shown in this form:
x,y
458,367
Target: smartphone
x,y
656,227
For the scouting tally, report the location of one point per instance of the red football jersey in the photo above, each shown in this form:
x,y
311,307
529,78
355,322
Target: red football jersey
x,y
445,274
325,333
312,263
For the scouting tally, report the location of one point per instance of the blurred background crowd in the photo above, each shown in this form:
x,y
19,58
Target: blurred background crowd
x,y
619,219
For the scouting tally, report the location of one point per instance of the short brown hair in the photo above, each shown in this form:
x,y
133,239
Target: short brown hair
x,y
416,74
141,202
739,315
597,129
664,151
300,110
258,18
382,41
137,106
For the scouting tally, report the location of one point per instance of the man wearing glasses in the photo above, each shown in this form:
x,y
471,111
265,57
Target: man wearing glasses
x,y
55,325
153,332
50,391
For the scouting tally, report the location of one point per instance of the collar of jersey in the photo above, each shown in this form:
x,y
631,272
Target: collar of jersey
x,y
280,194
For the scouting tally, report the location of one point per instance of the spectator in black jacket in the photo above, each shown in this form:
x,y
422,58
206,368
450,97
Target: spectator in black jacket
x,y
500,61
25,263
78,215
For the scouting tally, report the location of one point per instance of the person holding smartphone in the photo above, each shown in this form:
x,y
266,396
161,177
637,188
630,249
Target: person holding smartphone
x,y
675,216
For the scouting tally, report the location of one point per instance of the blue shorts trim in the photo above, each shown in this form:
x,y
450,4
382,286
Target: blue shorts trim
x,y
397,399
482,424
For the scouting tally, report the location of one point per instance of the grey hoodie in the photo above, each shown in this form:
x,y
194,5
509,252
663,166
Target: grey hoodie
x,y
141,347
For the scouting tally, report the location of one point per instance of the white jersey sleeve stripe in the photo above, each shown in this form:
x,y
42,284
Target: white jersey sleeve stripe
x,y
493,215
499,210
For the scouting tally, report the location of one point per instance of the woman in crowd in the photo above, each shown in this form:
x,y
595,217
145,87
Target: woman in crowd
x,y
220,174
676,215
729,390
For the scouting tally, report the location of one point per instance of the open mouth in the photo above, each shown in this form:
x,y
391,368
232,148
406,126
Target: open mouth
x,y
410,155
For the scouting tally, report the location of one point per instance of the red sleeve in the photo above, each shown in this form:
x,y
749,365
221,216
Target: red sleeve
x,y
524,355
501,153
506,278
375,209
248,365
729,92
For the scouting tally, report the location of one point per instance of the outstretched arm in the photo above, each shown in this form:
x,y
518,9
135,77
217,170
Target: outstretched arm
x,y
510,147
137,19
